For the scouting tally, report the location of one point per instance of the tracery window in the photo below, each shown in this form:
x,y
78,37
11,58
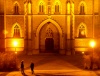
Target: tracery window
x,y
41,8
82,32
57,8
16,31
49,33
16,9
82,11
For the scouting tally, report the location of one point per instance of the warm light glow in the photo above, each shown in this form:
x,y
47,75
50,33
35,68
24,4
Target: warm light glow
x,y
92,44
29,8
57,2
25,8
83,52
15,43
5,32
15,52
82,32
41,3
68,22
68,8
72,8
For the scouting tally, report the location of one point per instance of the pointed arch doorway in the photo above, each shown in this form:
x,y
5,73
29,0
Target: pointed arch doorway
x,y
49,39
39,39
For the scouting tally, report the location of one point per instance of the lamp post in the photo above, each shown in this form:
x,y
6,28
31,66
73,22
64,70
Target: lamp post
x,y
15,45
92,44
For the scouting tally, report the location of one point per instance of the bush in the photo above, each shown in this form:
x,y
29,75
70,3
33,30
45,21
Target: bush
x,y
95,58
8,62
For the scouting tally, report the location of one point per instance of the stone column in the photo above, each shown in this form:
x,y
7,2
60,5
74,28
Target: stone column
x,y
68,31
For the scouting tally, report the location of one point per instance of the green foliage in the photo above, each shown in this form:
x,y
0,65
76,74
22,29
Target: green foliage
x,y
8,62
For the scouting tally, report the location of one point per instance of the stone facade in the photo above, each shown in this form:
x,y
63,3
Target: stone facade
x,y
49,26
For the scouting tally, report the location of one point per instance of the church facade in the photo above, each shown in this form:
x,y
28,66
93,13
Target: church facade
x,y
49,26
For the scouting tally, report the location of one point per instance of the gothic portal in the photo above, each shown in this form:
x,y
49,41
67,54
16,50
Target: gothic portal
x,y
49,38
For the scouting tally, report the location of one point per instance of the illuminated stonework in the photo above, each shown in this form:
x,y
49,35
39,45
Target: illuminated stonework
x,y
49,26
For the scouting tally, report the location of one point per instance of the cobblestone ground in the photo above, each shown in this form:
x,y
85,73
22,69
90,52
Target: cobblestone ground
x,y
53,65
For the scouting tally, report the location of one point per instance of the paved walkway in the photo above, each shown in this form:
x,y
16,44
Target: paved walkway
x,y
54,73
53,65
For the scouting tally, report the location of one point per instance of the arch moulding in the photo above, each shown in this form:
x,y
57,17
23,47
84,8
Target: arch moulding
x,y
39,28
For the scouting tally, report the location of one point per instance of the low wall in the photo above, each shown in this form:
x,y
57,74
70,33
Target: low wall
x,y
83,44
9,42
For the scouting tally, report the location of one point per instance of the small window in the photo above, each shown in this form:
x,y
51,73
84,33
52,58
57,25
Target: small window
x,y
82,12
57,8
16,32
41,8
16,9
82,32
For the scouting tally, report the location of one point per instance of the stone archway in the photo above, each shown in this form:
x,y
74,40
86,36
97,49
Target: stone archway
x,y
49,38
37,38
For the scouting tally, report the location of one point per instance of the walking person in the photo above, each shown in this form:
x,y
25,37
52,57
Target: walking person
x,y
32,67
22,67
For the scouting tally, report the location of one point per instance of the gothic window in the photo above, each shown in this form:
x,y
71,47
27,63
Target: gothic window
x,y
16,31
57,8
41,8
49,33
82,32
49,9
16,9
82,11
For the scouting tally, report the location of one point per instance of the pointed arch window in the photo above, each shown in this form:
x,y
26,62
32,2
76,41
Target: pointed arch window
x,y
16,31
16,9
82,11
82,32
41,8
57,8
49,33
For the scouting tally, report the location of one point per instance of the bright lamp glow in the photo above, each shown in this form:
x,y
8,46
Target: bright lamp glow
x,y
15,43
92,44
15,52
83,52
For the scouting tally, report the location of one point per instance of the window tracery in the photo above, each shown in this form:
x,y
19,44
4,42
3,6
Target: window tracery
x,y
16,31
82,32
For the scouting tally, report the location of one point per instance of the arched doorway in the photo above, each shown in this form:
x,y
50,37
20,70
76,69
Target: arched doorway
x,y
38,39
49,44
49,39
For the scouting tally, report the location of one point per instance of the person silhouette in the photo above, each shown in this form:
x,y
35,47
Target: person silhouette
x,y
22,66
32,67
